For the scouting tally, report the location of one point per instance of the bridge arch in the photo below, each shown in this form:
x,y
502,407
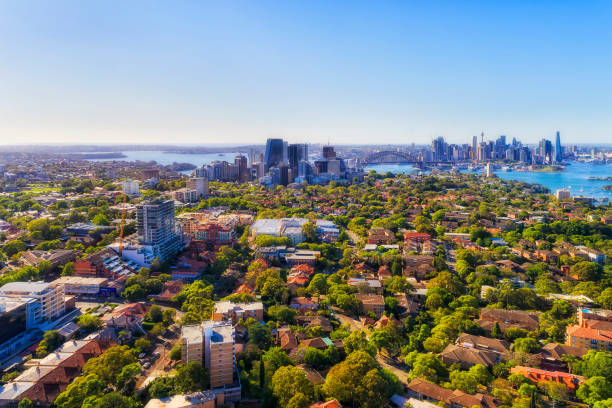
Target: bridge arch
x,y
388,156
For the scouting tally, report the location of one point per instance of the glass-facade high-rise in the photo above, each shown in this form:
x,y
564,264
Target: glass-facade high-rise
x,y
558,149
156,228
274,153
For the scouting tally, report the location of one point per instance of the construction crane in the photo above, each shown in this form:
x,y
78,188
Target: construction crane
x,y
121,226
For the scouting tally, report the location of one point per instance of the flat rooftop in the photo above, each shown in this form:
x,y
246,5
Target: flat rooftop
x,y
225,306
25,287
192,334
8,304
78,280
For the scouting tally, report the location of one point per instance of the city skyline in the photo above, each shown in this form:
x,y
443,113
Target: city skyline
x,y
232,71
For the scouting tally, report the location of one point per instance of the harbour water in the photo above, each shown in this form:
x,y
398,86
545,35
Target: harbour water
x,y
165,158
575,178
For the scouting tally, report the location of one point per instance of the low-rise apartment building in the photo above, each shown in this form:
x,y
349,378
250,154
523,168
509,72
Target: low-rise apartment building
x,y
228,311
212,344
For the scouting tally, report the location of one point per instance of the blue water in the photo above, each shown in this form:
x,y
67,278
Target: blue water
x,y
164,158
574,178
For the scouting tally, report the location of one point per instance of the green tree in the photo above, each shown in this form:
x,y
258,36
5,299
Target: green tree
x,y
464,381
155,314
78,390
556,391
109,364
13,247
89,323
594,389
100,219
358,340
428,367
190,377
299,400
142,344
161,387
134,293
51,340
275,358
68,269
126,380
357,382
526,345
176,353
309,231
260,335
594,364
44,267
25,403
587,271
287,381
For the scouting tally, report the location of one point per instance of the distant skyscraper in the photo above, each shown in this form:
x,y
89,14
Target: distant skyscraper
x,y
199,184
558,149
438,149
474,147
328,152
156,228
274,152
297,153
241,163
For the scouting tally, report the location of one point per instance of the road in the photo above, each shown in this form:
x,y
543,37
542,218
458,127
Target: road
x,y
158,366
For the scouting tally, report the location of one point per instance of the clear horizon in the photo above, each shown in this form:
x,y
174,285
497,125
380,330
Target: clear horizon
x,y
238,72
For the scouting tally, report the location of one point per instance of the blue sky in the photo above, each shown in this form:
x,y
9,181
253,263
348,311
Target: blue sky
x,y
308,71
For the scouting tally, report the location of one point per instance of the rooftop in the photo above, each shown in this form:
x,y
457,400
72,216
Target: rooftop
x,y
25,287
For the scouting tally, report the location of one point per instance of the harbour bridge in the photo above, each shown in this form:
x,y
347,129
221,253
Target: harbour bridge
x,y
388,156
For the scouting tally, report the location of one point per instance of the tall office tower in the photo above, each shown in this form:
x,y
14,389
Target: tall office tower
x,y
558,149
212,345
438,149
258,170
199,184
285,153
297,153
274,152
475,148
156,229
152,173
328,152
545,150
304,169
201,172
241,162
284,175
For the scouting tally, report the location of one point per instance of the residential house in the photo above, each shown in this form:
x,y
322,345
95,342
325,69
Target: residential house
x,y
587,338
551,356
372,303
228,311
468,357
380,236
57,257
328,404
537,375
508,318
303,304
483,343
423,390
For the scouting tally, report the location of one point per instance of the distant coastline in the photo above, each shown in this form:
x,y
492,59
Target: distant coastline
x,y
90,156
